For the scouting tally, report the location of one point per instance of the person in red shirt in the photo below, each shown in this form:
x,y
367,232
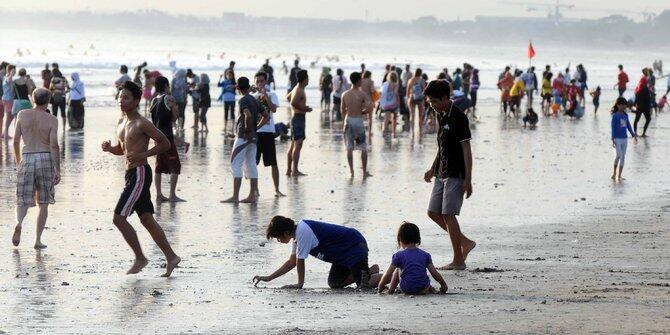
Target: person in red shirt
x,y
558,87
622,80
572,93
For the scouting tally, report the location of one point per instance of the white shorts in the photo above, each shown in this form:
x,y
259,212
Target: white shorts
x,y
244,156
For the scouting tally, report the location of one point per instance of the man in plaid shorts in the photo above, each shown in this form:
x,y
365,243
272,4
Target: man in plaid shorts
x,y
38,163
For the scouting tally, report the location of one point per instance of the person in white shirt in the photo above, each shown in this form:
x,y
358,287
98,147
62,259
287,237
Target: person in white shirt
x,y
266,132
123,70
340,85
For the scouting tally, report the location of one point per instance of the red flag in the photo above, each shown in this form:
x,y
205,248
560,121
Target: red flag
x,y
531,51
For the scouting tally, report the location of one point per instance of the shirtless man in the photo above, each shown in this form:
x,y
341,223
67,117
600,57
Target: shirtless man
x,y
368,86
38,163
299,106
134,132
355,103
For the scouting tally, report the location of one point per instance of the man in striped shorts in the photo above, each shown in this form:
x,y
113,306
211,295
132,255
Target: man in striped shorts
x,y
134,133
38,163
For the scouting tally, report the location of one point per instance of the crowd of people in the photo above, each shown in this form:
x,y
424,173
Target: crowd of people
x,y
67,97
444,106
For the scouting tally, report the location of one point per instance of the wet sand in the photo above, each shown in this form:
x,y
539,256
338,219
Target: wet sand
x,y
561,248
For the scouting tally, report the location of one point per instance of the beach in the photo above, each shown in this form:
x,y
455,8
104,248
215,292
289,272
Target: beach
x,y
561,248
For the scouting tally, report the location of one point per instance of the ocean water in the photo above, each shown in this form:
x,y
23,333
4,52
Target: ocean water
x,y
97,56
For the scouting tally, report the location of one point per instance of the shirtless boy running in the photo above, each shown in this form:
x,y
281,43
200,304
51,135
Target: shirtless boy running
x,y
134,133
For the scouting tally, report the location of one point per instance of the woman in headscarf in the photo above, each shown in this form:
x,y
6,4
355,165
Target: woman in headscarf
x,y
77,99
180,92
205,101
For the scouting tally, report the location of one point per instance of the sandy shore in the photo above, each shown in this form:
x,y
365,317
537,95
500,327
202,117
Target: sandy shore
x,y
561,249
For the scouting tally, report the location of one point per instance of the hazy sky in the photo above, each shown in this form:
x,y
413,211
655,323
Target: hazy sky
x,y
341,9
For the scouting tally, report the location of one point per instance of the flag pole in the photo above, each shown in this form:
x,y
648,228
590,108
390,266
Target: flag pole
x,y
530,59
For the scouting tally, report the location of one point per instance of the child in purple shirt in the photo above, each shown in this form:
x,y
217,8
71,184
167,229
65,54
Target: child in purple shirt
x,y
408,266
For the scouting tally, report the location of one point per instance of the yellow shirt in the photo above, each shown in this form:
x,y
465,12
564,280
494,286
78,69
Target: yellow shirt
x,y
517,88
546,86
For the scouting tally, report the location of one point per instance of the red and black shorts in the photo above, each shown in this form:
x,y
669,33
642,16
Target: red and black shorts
x,y
168,162
136,196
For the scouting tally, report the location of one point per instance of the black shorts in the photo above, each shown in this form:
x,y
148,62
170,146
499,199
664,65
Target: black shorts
x,y
136,196
341,276
266,147
337,100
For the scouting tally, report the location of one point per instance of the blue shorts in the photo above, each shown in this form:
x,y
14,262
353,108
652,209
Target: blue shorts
x,y
298,127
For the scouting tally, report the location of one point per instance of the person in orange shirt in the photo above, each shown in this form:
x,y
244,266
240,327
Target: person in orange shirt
x,y
505,84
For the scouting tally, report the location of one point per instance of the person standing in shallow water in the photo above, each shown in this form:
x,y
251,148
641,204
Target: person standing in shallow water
x,y
46,76
298,101
269,102
59,88
622,81
642,103
227,84
77,99
452,170
164,112
356,104
205,101
620,125
243,156
38,163
134,133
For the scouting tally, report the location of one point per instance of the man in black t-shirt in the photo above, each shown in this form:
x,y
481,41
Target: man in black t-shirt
x,y
452,170
293,76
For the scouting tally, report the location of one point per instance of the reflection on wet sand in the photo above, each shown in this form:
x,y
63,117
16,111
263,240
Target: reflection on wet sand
x,y
35,300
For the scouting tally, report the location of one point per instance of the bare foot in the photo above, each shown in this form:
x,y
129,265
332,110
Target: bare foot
x,y
176,199
467,248
161,198
138,265
186,147
249,200
621,178
366,175
16,239
613,177
39,245
171,265
452,266
374,268
231,200
278,194
288,172
297,173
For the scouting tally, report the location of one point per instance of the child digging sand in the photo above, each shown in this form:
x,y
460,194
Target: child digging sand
x,y
345,248
408,266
